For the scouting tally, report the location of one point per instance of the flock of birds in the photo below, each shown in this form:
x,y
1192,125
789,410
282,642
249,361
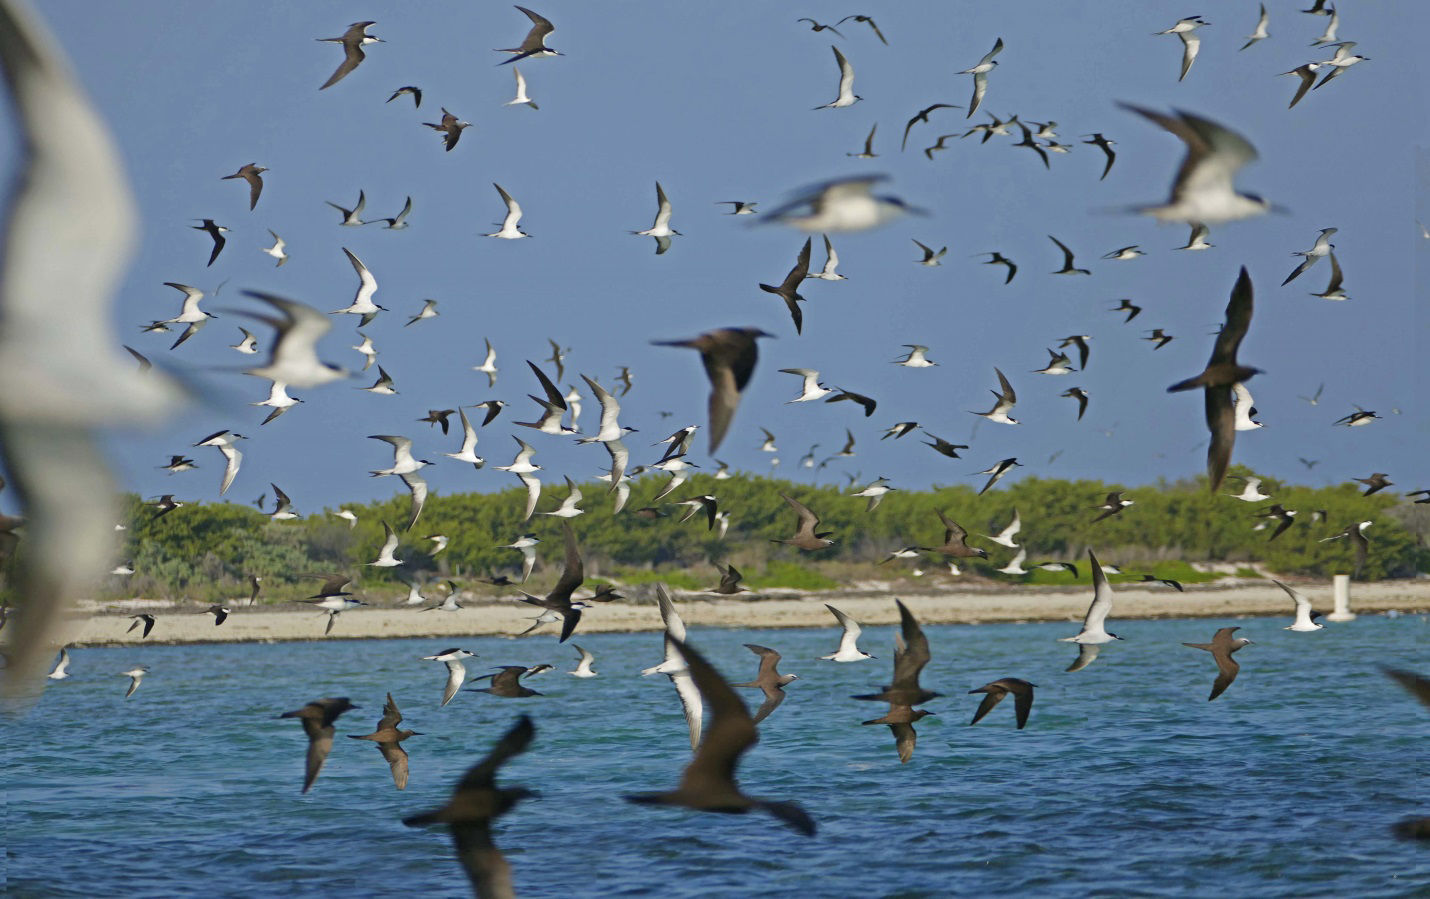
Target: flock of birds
x,y
1202,194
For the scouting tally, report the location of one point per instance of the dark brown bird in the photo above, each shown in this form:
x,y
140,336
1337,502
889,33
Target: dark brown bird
x,y
389,741
415,92
218,611
146,620
475,802
911,654
318,717
921,116
840,394
1376,481
708,784
506,683
805,536
352,40
439,417
1221,648
253,174
955,541
789,288
880,35
729,581
769,680
1221,372
1022,698
944,448
559,599
729,356
450,127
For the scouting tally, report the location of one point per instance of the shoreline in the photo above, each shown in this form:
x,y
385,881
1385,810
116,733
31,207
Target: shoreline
x,y
187,624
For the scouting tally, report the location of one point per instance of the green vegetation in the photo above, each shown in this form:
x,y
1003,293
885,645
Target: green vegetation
x,y
207,552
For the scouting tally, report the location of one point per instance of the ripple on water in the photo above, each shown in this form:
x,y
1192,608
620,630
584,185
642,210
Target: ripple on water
x,y
1126,782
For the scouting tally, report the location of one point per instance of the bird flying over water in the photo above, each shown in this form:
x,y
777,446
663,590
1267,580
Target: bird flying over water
x,y
708,784
476,802
317,718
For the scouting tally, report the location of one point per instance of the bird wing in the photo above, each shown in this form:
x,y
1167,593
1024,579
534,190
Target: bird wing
x,y
1086,652
905,739
1096,616
808,521
571,576
730,733
994,696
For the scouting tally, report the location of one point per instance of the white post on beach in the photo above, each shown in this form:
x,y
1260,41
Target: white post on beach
x,y
1341,590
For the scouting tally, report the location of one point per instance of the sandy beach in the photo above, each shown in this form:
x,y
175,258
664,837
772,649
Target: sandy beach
x,y
871,605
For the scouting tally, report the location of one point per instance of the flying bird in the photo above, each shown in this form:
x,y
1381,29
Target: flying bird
x,y
788,290
806,537
353,40
559,599
1221,648
994,692
768,680
252,173
846,97
456,672
729,356
389,741
708,783
1221,372
1069,268
923,116
1305,617
843,204
866,20
1105,145
1006,399
476,802
534,44
216,232
521,98
911,654
1094,631
848,650
451,128
660,229
980,76
999,259
1191,44
409,90
1203,192
317,718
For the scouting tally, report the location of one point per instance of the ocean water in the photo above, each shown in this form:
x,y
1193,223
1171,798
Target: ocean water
x,y
1126,782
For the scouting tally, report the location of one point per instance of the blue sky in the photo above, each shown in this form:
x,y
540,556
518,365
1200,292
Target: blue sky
x,y
716,102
